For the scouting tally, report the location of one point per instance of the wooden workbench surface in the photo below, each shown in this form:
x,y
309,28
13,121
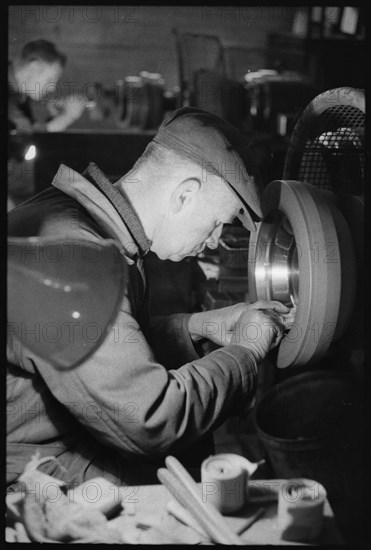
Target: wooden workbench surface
x,y
151,500
146,505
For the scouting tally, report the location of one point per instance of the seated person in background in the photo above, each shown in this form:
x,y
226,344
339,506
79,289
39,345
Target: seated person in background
x,y
33,76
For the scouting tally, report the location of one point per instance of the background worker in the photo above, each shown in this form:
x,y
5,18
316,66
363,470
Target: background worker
x,y
34,76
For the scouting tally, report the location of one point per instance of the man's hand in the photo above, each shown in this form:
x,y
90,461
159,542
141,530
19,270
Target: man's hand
x,y
260,330
65,112
219,325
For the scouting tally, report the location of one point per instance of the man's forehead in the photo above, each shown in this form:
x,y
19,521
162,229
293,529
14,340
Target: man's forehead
x,y
53,66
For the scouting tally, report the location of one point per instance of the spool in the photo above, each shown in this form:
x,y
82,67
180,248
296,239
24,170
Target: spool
x,y
300,509
225,480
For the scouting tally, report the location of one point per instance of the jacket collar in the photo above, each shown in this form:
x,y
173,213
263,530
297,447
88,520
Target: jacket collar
x,y
99,207
123,206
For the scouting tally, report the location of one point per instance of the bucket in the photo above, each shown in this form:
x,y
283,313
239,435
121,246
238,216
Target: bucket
x,y
311,427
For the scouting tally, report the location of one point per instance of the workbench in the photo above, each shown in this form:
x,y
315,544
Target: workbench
x,y
150,502
114,150
146,506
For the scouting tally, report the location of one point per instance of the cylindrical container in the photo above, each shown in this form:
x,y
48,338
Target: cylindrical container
x,y
300,509
155,86
136,108
311,427
225,481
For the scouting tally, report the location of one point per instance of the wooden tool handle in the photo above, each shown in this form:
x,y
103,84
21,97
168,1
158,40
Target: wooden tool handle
x,y
212,526
187,492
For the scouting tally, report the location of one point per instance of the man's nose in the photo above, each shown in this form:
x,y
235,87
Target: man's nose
x,y
213,240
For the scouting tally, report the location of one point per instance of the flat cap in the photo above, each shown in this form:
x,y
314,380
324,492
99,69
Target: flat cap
x,y
221,150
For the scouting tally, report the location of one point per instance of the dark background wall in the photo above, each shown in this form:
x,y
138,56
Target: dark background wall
x,y
106,43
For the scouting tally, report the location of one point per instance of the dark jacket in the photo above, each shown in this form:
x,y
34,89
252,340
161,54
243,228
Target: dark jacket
x,y
143,394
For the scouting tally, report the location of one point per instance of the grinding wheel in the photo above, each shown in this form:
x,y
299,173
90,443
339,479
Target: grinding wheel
x,y
303,248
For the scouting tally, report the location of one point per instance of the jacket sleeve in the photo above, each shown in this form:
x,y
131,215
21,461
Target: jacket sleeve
x,y
169,338
128,400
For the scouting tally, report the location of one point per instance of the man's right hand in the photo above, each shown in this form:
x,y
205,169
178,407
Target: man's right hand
x,y
261,327
65,112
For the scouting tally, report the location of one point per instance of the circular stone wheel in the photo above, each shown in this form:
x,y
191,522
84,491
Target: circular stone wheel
x,y
320,270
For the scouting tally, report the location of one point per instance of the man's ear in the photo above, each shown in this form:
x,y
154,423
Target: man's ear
x,y
184,193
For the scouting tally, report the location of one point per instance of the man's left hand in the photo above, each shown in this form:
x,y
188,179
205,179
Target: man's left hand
x,y
218,325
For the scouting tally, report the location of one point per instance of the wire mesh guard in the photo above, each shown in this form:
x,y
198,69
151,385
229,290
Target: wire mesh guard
x,y
327,147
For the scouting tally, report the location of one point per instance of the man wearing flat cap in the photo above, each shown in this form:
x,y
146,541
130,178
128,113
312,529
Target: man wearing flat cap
x,y
145,393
